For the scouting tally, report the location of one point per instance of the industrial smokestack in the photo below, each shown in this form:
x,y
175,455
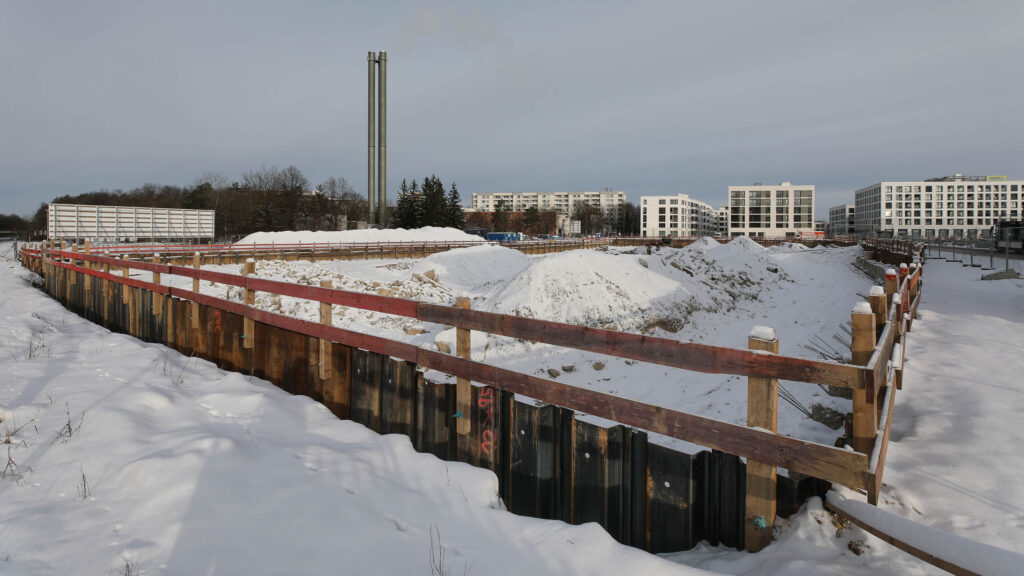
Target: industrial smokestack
x,y
371,168
382,139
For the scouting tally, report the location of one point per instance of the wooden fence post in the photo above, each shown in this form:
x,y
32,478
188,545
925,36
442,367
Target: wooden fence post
x,y
124,287
762,412
158,298
87,278
106,286
879,305
195,288
248,325
326,318
865,417
891,283
464,390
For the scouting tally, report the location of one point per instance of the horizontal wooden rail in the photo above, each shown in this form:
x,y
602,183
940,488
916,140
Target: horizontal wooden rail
x,y
684,355
818,460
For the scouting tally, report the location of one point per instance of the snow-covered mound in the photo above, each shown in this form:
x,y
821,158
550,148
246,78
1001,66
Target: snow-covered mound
x,y
426,234
585,287
469,269
703,245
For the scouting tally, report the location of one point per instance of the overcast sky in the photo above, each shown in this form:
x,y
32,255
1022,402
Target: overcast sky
x,y
649,98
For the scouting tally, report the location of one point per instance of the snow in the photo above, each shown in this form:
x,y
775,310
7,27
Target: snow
x,y
974,556
862,308
372,235
762,333
877,291
194,470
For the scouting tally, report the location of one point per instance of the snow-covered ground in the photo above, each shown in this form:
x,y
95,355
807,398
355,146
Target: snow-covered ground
x,y
707,292
372,235
173,466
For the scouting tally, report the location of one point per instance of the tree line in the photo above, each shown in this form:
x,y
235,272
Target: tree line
x,y
428,205
274,199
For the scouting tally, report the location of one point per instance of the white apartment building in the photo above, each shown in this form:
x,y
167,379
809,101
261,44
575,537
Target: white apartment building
x,y
722,221
677,215
561,202
771,211
948,207
841,220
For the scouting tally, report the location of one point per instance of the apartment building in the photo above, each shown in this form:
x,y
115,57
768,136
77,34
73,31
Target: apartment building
x,y
561,202
785,209
677,215
841,220
955,206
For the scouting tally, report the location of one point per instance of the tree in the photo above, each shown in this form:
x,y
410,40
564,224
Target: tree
x,y
405,209
456,216
499,219
531,217
590,217
629,220
434,202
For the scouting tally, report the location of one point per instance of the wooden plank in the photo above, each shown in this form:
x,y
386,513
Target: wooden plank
x,y
249,299
906,547
877,463
685,355
325,353
762,412
865,419
464,390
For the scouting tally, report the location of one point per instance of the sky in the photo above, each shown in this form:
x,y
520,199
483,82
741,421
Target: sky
x,y
645,97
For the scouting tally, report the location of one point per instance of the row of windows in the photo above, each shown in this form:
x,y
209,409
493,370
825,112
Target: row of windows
x,y
941,221
954,188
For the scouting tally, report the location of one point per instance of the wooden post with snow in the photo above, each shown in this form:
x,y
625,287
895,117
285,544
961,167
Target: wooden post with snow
x,y
106,286
762,412
72,275
195,288
879,305
125,271
248,325
158,298
464,390
865,417
87,279
891,283
326,318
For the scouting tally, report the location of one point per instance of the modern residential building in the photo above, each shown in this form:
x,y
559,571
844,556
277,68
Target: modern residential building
x,y
677,215
840,220
560,202
771,211
610,202
722,221
955,206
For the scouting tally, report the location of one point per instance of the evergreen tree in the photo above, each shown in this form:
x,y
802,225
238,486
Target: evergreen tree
x,y
433,202
417,206
404,216
456,216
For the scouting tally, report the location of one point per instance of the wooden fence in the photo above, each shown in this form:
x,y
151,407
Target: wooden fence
x,y
313,251
549,463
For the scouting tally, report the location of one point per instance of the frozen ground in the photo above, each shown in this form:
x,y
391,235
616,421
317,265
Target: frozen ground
x,y
175,467
706,292
428,234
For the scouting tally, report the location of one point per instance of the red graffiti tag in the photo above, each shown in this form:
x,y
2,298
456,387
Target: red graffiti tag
x,y
486,405
488,442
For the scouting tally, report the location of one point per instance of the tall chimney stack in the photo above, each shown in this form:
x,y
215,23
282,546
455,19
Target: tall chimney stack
x,y
371,167
382,140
